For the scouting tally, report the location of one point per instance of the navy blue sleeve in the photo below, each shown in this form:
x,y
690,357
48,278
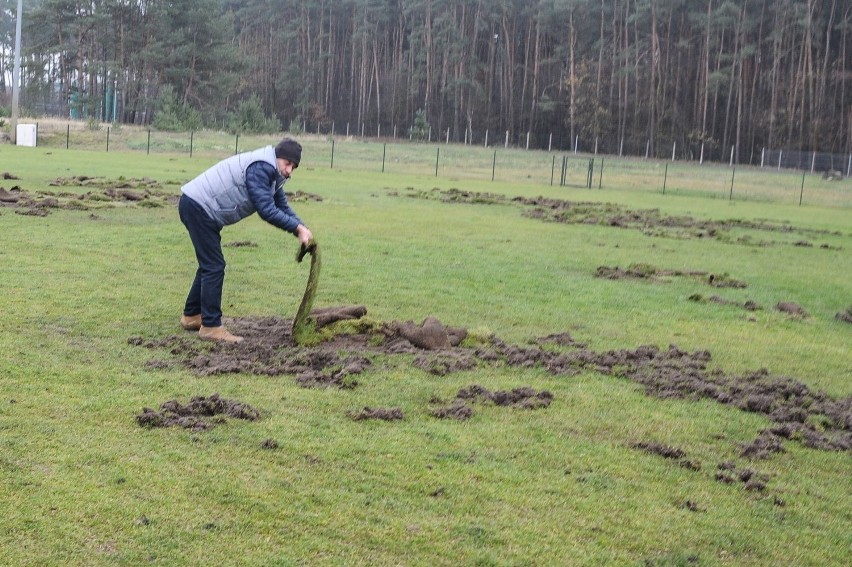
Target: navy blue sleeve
x,y
269,200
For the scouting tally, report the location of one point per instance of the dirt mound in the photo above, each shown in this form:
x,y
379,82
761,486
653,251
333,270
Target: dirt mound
x,y
650,221
845,316
652,273
791,308
728,473
667,452
199,414
796,412
303,196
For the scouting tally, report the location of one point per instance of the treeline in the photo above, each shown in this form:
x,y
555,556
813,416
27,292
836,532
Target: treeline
x,y
631,76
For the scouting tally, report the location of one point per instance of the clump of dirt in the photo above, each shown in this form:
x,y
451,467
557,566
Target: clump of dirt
x,y
241,244
664,451
201,413
724,280
728,473
845,316
523,397
667,452
384,414
748,305
798,414
269,444
12,196
7,175
457,410
650,221
429,335
791,308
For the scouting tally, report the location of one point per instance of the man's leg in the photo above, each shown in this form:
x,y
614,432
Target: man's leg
x,y
205,295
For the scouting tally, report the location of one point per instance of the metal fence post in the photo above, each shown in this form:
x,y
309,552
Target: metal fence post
x,y
665,178
733,172
600,175
107,145
494,165
437,160
332,153
802,191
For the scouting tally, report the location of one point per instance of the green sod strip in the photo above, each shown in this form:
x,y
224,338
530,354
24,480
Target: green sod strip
x,y
304,328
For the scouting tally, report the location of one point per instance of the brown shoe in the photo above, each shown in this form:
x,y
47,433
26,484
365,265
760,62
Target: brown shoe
x,y
190,322
218,334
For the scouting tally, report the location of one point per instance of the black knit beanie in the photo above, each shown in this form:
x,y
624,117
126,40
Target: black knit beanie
x,y
289,149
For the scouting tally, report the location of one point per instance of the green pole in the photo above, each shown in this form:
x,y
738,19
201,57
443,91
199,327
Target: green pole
x,y
68,136
600,176
107,148
191,139
802,192
332,154
665,177
733,172
149,142
494,166
384,154
237,145
437,160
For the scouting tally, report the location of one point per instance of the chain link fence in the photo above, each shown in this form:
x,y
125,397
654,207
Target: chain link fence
x,y
830,165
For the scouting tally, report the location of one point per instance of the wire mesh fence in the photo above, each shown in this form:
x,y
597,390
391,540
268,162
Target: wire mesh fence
x,y
832,165
798,179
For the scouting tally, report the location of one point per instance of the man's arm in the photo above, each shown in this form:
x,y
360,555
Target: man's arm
x,y
270,202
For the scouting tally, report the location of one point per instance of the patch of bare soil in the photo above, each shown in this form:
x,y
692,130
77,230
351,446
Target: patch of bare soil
x,y
748,305
303,196
520,398
667,452
652,273
650,221
201,413
143,192
845,316
729,473
384,414
796,412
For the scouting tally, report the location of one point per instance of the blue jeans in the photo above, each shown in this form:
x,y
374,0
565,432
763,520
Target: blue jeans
x,y
205,295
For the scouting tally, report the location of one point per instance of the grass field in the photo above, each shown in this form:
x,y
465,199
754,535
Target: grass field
x,y
84,484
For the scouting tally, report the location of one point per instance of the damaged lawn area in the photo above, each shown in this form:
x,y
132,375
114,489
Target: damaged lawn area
x,y
522,379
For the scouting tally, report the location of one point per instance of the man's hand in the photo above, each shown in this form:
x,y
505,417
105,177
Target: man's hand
x,y
304,235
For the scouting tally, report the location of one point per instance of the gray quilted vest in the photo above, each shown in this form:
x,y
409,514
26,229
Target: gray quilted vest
x,y
221,190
